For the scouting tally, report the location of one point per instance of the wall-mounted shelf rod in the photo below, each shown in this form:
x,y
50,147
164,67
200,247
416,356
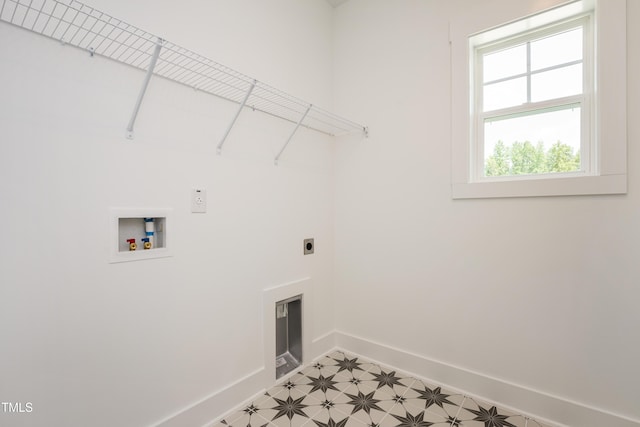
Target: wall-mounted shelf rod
x,y
242,104
275,161
143,90
76,24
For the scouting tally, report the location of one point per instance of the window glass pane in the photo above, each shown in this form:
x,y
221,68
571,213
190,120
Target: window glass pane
x,y
504,63
557,49
556,83
533,144
505,94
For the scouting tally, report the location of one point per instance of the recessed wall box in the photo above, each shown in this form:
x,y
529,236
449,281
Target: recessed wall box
x,y
138,234
288,335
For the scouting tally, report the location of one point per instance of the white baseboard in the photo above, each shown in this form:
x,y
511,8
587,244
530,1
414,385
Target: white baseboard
x,y
537,404
322,345
218,403
547,408
234,396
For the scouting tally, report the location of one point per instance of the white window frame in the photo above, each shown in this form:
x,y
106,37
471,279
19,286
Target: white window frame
x,y
603,171
582,100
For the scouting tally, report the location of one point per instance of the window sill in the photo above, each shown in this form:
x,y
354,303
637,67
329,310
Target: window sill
x,y
578,186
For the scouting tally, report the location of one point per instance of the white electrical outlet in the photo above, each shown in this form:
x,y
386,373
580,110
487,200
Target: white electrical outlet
x,y
198,200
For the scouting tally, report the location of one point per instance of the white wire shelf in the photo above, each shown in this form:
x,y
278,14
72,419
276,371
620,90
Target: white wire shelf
x,y
74,23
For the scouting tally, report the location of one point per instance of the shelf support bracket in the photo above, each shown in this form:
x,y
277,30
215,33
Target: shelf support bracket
x,y
233,122
145,84
275,162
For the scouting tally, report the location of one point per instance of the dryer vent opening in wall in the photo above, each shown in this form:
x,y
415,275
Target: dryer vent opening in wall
x,y
288,335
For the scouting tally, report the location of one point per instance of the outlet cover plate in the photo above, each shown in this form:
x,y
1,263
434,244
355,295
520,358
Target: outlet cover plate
x,y
309,246
198,200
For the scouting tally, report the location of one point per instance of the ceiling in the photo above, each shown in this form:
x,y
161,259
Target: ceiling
x,y
336,3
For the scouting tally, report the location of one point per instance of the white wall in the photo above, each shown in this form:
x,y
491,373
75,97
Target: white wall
x,y
539,292
93,343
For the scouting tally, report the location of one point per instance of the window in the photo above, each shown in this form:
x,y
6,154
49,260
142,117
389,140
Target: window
x,y
532,103
536,117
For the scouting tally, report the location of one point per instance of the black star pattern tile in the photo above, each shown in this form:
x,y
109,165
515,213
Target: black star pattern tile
x,y
491,418
474,413
389,381
433,397
325,388
344,390
412,421
347,364
387,378
326,366
453,421
291,412
345,380
405,414
328,416
327,404
265,406
289,408
246,417
366,383
332,423
322,383
297,386
251,409
399,399
369,408
363,402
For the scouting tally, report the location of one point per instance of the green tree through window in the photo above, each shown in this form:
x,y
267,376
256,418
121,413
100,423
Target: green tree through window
x,y
524,158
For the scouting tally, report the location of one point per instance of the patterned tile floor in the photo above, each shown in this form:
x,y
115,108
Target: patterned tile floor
x,y
340,390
